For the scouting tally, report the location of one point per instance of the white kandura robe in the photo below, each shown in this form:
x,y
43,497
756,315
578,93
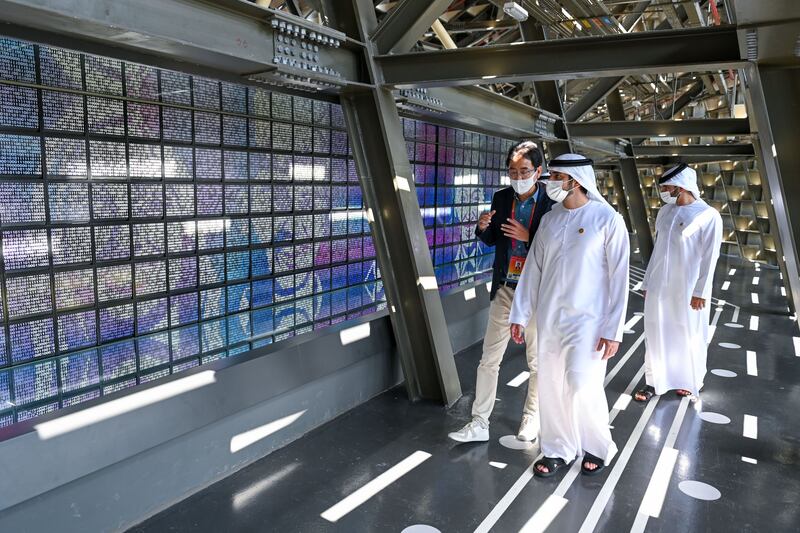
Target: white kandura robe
x,y
687,246
576,281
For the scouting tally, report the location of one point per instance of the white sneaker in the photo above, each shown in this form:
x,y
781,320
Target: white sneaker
x,y
529,428
475,431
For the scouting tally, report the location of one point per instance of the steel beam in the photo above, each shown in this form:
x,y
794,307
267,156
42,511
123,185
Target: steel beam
x,y
632,186
632,18
379,149
709,48
547,95
228,37
593,96
682,101
775,110
653,128
475,107
668,160
714,150
406,23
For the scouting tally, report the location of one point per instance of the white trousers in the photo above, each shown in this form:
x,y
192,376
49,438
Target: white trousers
x,y
495,342
574,411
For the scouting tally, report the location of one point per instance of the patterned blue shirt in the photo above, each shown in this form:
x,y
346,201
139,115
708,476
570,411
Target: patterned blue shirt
x,y
523,213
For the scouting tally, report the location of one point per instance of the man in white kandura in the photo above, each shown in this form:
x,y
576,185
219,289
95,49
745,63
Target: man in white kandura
x,y
576,284
677,287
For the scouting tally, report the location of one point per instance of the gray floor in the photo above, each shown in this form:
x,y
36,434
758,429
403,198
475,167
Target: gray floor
x,y
456,489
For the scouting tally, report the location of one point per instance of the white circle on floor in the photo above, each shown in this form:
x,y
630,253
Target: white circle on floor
x,y
714,418
513,443
734,325
699,490
729,345
721,372
420,528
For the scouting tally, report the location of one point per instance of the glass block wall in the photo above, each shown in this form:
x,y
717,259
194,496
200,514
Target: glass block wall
x,y
152,221
456,172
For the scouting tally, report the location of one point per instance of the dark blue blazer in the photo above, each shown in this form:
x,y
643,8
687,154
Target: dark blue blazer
x,y
493,235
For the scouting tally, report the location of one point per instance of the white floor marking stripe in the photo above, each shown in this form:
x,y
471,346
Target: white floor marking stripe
x,y
796,341
638,286
375,486
521,378
712,329
657,488
656,491
756,279
624,359
601,501
506,501
750,427
732,272
677,422
749,460
622,402
632,322
545,515
752,363
726,285
754,297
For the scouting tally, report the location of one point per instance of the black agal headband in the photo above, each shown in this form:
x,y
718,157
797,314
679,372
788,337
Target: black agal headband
x,y
671,173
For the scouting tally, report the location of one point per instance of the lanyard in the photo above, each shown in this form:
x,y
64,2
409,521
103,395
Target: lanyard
x,y
513,210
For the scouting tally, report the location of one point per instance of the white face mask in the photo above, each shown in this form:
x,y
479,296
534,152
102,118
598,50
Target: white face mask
x,y
522,186
667,197
555,192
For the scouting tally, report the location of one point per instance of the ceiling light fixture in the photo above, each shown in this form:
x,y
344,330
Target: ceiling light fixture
x,y
515,11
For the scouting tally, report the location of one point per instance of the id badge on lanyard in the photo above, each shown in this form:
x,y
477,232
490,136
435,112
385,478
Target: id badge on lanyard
x,y
517,262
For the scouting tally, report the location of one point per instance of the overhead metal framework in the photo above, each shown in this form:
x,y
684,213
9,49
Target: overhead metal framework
x,y
710,48
714,150
655,128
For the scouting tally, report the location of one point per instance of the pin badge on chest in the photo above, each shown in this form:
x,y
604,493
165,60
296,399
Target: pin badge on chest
x,y
581,230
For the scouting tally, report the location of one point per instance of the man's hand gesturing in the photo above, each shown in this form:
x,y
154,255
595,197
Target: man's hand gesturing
x,y
485,220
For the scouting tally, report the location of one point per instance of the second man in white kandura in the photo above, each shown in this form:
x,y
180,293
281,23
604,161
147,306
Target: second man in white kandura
x,y
576,285
677,287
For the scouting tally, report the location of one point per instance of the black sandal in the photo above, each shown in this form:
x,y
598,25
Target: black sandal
x,y
589,458
648,392
553,465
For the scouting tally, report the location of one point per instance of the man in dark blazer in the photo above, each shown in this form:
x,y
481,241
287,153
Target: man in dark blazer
x,y
509,226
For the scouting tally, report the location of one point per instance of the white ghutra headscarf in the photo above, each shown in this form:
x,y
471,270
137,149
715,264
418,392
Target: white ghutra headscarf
x,y
580,168
681,176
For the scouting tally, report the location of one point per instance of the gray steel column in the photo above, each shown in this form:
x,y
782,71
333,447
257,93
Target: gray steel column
x,y
632,186
622,201
776,112
379,149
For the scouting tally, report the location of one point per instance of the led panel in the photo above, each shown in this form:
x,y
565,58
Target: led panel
x,y
188,221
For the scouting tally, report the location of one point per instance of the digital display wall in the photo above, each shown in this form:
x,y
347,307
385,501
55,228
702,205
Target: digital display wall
x,y
456,172
152,221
